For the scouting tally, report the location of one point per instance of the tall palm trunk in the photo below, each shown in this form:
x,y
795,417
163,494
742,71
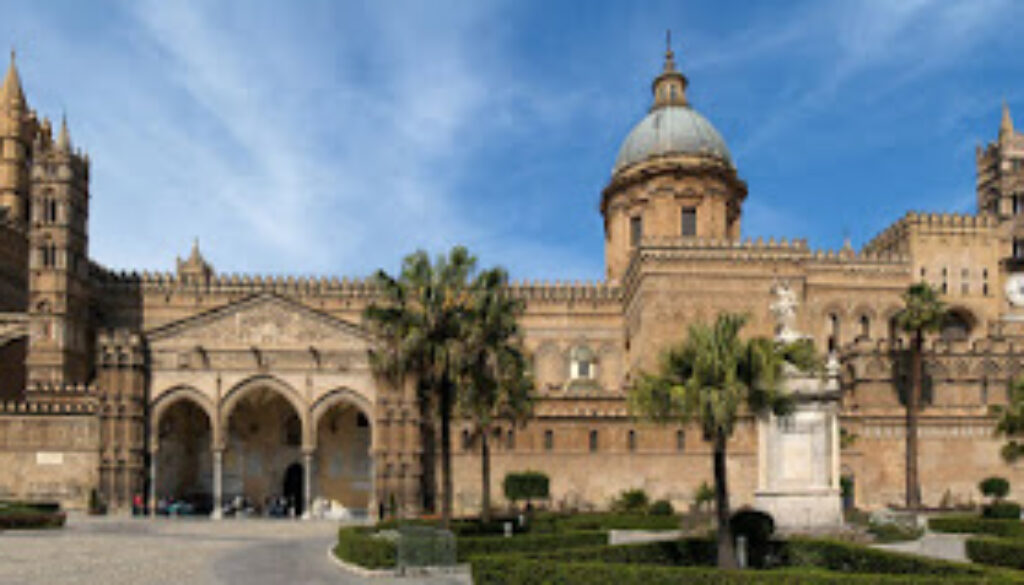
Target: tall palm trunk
x,y
446,454
913,494
485,470
726,550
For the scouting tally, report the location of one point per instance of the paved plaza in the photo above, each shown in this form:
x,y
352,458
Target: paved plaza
x,y
116,551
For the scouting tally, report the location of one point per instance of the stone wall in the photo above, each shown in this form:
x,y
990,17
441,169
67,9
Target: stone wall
x,y
49,458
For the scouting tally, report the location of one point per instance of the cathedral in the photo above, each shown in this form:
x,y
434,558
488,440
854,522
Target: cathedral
x,y
209,387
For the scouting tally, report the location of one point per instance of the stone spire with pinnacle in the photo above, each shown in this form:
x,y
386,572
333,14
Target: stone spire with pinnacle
x,y
670,86
1006,124
11,93
64,138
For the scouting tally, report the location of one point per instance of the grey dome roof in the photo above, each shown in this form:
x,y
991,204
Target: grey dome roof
x,y
668,130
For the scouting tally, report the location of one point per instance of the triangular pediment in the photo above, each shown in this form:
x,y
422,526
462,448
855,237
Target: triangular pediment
x,y
264,321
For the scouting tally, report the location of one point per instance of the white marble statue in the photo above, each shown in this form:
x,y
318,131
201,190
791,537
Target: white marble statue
x,y
784,309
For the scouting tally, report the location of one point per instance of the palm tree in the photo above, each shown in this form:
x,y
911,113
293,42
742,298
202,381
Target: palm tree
x,y
419,324
709,378
922,312
494,383
1011,423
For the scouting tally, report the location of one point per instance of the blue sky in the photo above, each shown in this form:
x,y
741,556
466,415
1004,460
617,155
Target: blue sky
x,y
332,138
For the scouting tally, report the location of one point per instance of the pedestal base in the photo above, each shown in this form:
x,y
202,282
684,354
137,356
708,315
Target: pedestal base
x,y
799,509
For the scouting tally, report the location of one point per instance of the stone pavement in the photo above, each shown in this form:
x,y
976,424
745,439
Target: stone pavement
x,y
116,551
949,547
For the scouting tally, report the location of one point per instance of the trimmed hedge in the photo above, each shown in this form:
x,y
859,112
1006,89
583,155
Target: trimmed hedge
x,y
527,543
797,552
851,558
684,552
360,546
25,515
996,551
976,525
515,570
1004,510
601,521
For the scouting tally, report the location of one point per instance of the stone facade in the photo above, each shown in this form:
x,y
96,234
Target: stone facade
x,y
199,384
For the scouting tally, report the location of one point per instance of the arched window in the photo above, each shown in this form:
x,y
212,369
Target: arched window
x,y
680,440
549,440
465,440
631,440
593,441
510,440
832,323
865,327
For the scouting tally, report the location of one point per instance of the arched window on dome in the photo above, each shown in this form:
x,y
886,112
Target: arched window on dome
x,y
636,230
689,221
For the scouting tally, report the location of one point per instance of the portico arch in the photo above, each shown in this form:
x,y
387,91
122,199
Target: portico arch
x,y
342,459
265,445
263,381
181,434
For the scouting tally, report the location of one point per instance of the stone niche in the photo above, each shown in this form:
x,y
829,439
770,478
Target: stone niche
x,y
798,456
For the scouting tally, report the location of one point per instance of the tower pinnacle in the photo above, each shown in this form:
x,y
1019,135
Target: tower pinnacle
x,y
1006,124
64,138
11,93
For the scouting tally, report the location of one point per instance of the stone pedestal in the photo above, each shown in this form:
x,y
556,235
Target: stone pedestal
x,y
798,456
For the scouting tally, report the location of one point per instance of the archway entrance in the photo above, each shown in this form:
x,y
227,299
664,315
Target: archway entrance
x,y
263,443
344,465
184,456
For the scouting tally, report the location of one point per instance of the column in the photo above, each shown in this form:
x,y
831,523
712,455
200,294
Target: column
x,y
836,447
218,484
307,484
153,456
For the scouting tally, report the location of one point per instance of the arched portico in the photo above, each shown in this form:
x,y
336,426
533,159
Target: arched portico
x,y
342,459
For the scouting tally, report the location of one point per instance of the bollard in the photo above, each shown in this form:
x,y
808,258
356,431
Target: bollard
x,y
741,551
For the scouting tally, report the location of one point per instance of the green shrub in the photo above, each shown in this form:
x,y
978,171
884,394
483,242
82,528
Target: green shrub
x,y
513,570
526,485
28,515
704,496
661,508
996,551
994,487
852,558
527,543
363,547
1002,510
553,523
975,525
683,552
757,528
631,501
886,532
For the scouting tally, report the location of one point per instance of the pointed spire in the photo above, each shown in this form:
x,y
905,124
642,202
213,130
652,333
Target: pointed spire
x,y
64,138
1006,124
670,57
195,256
11,92
670,87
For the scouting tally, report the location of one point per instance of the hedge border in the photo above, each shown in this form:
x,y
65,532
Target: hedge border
x,y
977,525
998,552
517,570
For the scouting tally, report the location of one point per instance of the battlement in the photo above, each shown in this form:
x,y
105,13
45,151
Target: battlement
x,y
46,408
691,243
893,238
563,291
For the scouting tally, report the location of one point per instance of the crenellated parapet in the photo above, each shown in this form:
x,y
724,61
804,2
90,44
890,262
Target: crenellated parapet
x,y
53,398
120,348
895,238
533,291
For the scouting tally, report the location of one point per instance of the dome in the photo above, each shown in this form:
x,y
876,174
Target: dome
x,y
671,129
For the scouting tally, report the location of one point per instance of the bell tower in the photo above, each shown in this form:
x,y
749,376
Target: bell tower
x,y
18,128
60,343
